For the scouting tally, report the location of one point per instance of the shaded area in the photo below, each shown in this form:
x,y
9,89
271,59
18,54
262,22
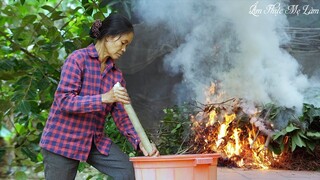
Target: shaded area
x,y
149,85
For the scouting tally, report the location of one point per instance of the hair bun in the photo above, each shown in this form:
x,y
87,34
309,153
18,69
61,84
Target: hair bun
x,y
95,32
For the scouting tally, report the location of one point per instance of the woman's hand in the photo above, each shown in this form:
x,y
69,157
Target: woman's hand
x,y
154,153
116,94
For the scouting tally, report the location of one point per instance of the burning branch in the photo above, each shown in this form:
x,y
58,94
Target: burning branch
x,y
226,128
264,126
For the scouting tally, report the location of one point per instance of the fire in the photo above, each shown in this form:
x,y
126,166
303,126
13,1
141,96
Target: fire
x,y
226,129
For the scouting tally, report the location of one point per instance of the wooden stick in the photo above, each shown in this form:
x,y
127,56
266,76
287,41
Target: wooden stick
x,y
137,125
266,144
255,138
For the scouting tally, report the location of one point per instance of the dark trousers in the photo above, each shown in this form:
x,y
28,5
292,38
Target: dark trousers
x,y
116,164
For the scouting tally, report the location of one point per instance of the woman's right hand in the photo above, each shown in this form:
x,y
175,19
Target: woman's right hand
x,y
154,152
116,94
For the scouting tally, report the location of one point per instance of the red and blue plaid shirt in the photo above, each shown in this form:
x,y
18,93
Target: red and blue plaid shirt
x,y
77,115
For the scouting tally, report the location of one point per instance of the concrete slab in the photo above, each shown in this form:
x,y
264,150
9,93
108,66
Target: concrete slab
x,y
242,174
245,174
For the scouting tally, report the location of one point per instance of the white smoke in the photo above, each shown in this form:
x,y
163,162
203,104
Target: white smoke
x,y
222,41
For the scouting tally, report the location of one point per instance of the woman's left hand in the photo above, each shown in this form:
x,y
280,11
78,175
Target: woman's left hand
x,y
154,153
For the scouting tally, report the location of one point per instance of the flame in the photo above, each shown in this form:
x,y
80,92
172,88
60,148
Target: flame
x,y
220,129
223,128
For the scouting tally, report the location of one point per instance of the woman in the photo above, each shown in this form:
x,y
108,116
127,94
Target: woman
x,y
84,97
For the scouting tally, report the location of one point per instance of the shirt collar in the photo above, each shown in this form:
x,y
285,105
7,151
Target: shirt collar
x,y
91,49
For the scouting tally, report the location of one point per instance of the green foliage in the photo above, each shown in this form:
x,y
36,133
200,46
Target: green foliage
x,y
113,133
35,39
174,129
296,135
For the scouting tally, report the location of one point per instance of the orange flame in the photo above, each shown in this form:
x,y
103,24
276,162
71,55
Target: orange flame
x,y
223,132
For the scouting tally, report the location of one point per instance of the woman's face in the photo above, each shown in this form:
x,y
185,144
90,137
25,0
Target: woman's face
x,y
117,45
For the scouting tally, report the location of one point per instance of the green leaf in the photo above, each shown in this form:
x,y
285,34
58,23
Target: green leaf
x,y
296,139
9,11
313,134
69,46
4,105
57,15
29,154
279,134
43,84
22,2
98,15
82,166
8,64
90,177
87,6
53,33
49,8
24,107
46,20
29,19
291,128
39,157
84,2
20,175
75,10
301,134
17,96
39,168
31,94
23,82
32,137
20,128
176,128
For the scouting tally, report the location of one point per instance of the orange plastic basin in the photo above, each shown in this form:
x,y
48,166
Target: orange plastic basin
x,y
176,167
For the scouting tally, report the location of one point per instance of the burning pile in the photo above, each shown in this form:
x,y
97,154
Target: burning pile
x,y
244,134
240,138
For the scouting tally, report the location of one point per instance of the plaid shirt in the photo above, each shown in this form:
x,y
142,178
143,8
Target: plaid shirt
x,y
77,115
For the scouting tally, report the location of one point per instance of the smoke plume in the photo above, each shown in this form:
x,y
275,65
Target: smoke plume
x,y
220,41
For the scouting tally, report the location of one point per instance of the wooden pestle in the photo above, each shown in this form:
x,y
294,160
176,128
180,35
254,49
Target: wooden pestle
x,y
137,125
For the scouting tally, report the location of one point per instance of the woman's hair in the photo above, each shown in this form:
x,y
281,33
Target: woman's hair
x,y
114,24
